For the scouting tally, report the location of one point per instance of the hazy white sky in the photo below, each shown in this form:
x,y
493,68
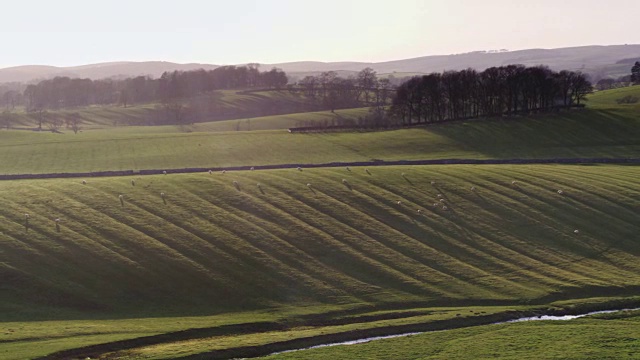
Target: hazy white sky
x,y
76,32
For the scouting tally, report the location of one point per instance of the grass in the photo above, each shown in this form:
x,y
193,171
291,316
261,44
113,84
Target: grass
x,y
569,135
221,262
606,129
585,338
216,250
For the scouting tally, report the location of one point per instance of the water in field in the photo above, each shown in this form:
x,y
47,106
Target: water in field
x,y
532,318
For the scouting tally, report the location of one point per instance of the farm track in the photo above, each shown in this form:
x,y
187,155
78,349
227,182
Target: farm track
x,y
559,161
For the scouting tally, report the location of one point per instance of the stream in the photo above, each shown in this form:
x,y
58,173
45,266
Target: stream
x,y
531,318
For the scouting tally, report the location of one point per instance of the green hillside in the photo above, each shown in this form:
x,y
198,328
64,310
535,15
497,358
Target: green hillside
x,y
324,244
185,264
215,249
605,129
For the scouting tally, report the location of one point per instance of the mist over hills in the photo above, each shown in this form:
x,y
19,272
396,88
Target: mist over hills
x,y
598,61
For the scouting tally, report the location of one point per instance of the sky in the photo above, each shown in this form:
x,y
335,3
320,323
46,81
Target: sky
x,y
77,32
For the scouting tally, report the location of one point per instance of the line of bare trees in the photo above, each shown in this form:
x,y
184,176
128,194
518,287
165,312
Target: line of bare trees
x,y
495,91
65,92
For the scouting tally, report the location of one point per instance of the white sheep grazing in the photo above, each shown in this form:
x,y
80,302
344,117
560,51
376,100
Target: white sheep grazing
x,y
299,168
514,182
473,188
259,186
165,172
210,172
308,185
120,197
439,196
251,168
84,182
162,195
576,231
444,208
344,181
403,175
419,211
560,192
57,220
433,183
441,200
399,202
26,216
224,171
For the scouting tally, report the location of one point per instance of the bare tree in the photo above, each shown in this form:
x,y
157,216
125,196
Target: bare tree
x,y
74,122
6,119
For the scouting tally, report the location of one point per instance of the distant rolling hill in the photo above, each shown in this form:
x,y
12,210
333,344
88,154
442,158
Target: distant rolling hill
x,y
96,71
598,60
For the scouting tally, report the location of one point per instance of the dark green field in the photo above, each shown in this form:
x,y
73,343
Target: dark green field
x,y
320,251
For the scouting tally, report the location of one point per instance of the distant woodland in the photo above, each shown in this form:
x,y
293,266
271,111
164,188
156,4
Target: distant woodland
x,y
429,98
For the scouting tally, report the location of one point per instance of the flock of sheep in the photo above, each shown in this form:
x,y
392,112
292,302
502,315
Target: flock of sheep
x,y
440,203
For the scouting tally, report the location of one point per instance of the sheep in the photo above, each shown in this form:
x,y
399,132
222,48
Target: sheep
x,y
164,172
367,171
399,202
162,195
473,188
576,231
308,185
210,172
514,182
439,196
252,168
442,200
444,208
560,192
403,175
433,183
419,211
26,216
224,171
84,182
121,200
57,220
435,204
299,168
344,181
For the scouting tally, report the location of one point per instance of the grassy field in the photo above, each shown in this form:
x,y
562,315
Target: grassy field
x,y
214,261
569,135
604,130
598,337
214,249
